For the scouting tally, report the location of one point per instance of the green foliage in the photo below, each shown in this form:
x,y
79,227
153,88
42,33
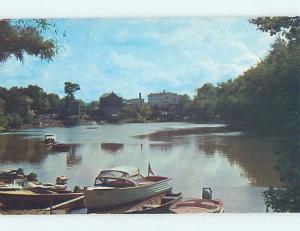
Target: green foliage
x,y
286,198
70,89
18,106
266,97
20,37
287,27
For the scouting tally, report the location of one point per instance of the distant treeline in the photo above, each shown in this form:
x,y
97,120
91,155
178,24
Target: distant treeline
x,y
264,98
267,96
19,105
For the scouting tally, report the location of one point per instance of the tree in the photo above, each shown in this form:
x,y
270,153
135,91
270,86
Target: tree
x,y
288,27
70,89
20,37
286,198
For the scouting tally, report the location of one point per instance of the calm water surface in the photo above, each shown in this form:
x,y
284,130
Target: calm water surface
x,y
238,167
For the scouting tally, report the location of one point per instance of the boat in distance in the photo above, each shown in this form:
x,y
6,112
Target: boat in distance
x,y
123,185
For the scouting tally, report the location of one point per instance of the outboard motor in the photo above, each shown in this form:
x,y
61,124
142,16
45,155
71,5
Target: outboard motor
x,y
207,193
78,189
61,180
20,171
32,177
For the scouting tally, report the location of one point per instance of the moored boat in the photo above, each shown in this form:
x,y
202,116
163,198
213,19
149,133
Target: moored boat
x,y
204,205
49,138
34,198
123,185
157,204
198,206
10,176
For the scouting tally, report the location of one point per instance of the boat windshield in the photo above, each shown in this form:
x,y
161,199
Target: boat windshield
x,y
113,174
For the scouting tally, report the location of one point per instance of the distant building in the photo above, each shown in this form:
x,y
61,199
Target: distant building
x,y
163,99
110,104
136,102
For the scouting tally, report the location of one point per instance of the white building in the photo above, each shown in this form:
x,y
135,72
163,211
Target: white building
x,y
163,99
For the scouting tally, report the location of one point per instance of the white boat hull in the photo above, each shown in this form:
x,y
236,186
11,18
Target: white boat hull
x,y
100,198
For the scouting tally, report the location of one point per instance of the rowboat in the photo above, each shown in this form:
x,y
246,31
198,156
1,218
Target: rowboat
x,y
198,206
34,198
123,185
157,204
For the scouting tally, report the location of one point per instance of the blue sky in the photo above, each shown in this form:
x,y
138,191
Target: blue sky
x,y
144,55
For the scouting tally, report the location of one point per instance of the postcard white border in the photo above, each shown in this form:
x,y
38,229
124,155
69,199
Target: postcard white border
x,y
148,8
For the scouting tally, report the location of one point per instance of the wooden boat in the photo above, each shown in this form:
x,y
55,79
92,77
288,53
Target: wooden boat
x,y
34,198
157,204
123,185
198,206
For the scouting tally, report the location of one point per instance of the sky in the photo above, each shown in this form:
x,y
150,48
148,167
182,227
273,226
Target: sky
x,y
146,55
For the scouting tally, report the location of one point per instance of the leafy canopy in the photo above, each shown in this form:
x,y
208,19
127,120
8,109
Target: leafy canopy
x,y
20,37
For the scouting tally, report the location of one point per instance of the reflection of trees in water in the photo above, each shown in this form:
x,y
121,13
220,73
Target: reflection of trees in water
x,y
287,198
15,148
73,158
112,147
162,146
253,154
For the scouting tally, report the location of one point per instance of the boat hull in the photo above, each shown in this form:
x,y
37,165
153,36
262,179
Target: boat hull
x,y
35,201
97,199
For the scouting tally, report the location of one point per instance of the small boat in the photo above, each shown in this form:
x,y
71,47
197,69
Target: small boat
x,y
49,138
34,198
60,147
198,206
157,204
123,185
30,181
10,176
204,205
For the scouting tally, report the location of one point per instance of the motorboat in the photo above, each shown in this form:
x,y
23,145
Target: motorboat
x,y
34,198
30,181
49,138
196,205
123,185
10,176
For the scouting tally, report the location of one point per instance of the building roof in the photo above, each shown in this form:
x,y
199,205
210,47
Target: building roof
x,y
162,93
109,94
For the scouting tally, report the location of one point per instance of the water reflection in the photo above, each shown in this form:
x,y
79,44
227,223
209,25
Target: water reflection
x,y
112,147
162,146
16,148
231,163
73,158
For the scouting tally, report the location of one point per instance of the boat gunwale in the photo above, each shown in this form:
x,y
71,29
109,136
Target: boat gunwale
x,y
98,188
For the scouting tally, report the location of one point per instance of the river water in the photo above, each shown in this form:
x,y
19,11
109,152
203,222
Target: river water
x,y
238,167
